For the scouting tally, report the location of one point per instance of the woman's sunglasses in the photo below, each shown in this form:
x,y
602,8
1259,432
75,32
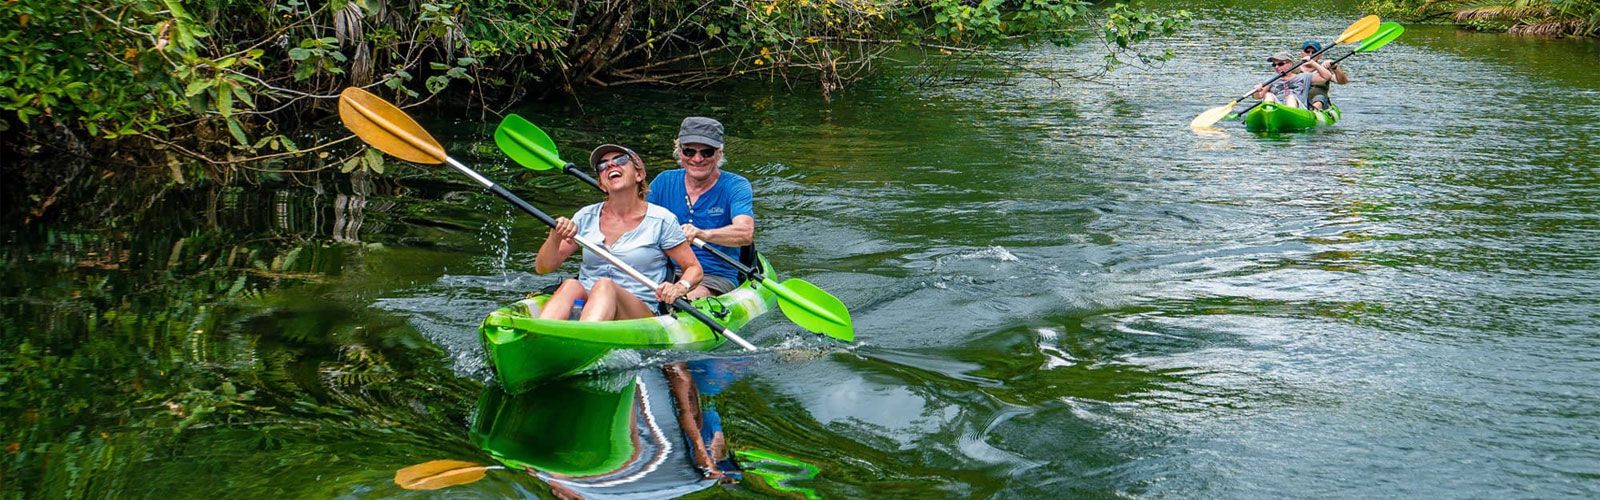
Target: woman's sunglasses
x,y
1280,63
619,161
706,153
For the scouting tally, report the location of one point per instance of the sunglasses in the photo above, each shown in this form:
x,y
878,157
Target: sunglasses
x,y
1280,63
618,161
1309,50
704,153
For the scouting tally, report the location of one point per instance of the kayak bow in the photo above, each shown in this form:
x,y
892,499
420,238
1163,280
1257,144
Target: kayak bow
x,y
1274,117
525,350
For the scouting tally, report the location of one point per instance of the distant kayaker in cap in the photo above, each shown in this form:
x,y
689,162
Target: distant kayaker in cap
x,y
641,234
1292,89
1318,95
713,204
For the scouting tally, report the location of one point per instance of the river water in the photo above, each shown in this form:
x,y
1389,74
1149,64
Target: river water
x,y
1058,291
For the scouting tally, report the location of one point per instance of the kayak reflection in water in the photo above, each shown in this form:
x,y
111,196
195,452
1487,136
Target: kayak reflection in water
x,y
612,435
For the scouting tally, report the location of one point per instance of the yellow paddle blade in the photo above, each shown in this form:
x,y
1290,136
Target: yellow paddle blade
x,y
1212,116
386,127
438,474
1362,28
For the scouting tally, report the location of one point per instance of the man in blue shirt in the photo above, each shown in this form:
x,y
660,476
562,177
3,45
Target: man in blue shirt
x,y
714,205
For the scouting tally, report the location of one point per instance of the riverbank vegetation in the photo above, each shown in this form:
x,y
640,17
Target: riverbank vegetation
x,y
208,335
1521,17
208,90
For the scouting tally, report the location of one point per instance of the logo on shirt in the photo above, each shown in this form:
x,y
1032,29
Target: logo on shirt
x,y
715,211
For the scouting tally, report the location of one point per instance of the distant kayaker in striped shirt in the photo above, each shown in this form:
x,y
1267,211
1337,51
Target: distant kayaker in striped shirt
x,y
713,204
1293,89
643,235
1318,94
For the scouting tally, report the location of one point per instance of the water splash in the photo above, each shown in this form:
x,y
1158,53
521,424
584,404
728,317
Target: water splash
x,y
496,237
996,252
1054,357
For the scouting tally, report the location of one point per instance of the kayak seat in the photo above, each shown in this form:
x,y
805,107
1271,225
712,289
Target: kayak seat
x,y
748,257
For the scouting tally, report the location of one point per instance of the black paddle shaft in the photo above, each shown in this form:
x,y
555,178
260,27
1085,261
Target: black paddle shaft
x,y
579,173
1341,58
506,194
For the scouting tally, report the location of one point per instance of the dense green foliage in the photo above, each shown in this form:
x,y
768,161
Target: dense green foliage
x,y
224,80
132,357
1530,17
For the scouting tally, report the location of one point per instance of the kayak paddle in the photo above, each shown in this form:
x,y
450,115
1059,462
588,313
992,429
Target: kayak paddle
x,y
387,128
435,474
1362,28
802,302
1387,32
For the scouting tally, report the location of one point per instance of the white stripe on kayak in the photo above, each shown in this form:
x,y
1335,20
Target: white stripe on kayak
x,y
655,433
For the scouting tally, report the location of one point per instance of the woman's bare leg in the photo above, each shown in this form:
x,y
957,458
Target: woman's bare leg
x,y
609,301
560,304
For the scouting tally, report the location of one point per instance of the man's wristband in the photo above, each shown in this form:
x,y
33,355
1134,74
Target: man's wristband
x,y
686,284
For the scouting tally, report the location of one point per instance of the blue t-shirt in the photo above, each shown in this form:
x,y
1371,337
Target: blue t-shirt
x,y
644,247
728,198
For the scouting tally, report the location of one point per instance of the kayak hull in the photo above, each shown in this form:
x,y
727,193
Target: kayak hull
x,y
524,350
1273,117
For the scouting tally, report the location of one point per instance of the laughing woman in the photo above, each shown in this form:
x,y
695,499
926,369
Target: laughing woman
x,y
643,235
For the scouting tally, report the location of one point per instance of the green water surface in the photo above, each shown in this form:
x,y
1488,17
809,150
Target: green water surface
x,y
1058,291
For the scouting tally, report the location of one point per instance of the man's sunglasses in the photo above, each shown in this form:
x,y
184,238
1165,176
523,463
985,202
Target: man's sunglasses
x,y
707,152
1280,63
618,161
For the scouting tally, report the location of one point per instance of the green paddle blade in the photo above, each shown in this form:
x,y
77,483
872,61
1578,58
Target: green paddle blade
x,y
526,144
812,308
1386,33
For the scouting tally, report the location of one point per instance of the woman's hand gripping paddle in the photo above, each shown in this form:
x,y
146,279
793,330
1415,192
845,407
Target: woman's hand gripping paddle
x,y
802,302
1362,28
384,126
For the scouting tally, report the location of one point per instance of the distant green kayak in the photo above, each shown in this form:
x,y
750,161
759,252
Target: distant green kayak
x,y
525,350
1273,117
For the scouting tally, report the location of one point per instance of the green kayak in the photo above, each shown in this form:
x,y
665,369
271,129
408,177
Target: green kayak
x,y
1273,117
525,350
